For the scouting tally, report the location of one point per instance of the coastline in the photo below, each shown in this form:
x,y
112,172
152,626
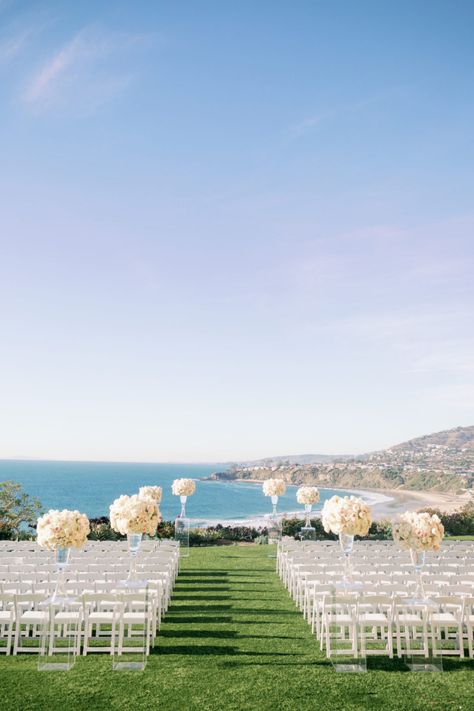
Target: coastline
x,y
386,504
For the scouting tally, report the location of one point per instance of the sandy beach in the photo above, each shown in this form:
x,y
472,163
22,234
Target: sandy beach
x,y
385,503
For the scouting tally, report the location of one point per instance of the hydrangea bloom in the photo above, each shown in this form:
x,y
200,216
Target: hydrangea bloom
x,y
62,529
348,514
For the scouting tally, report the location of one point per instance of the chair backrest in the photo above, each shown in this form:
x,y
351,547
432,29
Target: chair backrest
x,y
449,603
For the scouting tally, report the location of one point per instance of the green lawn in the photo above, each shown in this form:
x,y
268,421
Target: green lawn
x,y
233,641
460,538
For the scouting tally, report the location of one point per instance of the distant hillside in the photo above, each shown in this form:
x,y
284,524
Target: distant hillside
x,y
459,438
443,461
294,459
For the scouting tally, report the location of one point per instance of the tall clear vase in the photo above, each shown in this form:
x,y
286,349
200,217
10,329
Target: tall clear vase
x,y
346,541
308,533
418,558
61,560
134,541
274,527
181,529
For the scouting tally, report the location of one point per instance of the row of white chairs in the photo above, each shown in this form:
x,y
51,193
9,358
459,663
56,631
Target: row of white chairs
x,y
384,593
102,614
98,622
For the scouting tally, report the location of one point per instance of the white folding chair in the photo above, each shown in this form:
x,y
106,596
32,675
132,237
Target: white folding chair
x,y
101,614
7,621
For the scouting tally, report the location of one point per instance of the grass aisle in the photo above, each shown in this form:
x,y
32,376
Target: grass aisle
x,y
233,641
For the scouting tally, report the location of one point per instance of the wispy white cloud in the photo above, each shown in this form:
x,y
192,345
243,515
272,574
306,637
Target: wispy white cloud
x,y
315,121
311,123
11,46
85,73
15,40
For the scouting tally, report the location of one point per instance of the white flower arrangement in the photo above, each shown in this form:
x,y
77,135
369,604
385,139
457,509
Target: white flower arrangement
x,y
348,514
130,514
419,531
150,492
307,495
273,487
183,487
62,529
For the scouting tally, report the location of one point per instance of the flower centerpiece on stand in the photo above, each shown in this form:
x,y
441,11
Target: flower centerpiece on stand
x,y
307,495
132,517
60,531
183,488
274,488
418,532
346,517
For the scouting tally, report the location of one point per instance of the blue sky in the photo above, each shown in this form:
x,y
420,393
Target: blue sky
x,y
231,230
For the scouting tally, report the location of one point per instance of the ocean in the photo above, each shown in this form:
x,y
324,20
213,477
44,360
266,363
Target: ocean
x,y
91,487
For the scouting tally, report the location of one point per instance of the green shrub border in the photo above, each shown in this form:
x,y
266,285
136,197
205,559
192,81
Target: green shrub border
x,y
459,523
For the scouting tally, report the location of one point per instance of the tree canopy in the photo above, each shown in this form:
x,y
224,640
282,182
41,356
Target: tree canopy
x,y
17,509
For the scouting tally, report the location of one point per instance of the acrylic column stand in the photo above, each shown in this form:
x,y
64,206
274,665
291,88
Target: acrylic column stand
x,y
420,647
344,641
60,635
135,627
308,533
181,530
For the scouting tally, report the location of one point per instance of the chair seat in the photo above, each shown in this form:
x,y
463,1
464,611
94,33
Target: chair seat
x,y
374,617
6,616
70,616
134,617
339,619
444,617
410,618
102,616
33,616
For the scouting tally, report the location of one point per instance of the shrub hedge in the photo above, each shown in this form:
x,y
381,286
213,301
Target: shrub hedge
x,y
459,523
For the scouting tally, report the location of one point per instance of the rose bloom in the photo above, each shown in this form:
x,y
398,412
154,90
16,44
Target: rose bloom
x,y
348,514
62,529
419,531
183,487
273,487
130,514
307,495
150,492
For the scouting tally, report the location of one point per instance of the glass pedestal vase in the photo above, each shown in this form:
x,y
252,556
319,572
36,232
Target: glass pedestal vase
x,y
418,558
132,580
308,533
181,530
61,559
135,629
60,634
346,541
343,638
274,528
